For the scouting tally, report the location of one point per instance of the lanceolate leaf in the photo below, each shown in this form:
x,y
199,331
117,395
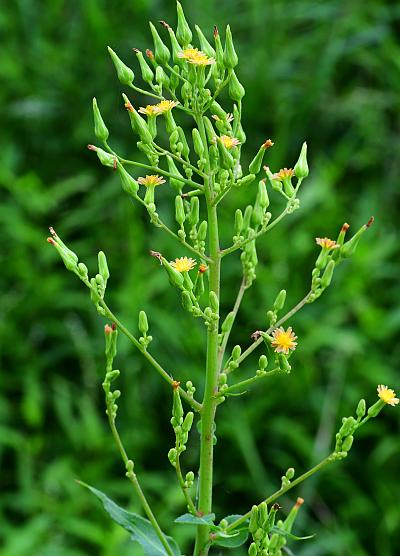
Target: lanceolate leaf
x,y
284,533
196,520
141,529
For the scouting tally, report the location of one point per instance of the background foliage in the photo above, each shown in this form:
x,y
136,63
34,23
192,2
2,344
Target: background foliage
x,y
326,72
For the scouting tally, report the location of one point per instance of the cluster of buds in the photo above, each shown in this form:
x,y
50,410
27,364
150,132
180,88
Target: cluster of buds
x,y
278,305
269,538
110,335
182,425
144,339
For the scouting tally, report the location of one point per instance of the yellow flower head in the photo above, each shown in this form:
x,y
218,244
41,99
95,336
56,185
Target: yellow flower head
x,y
184,264
229,142
284,340
160,108
196,57
229,118
152,180
387,395
326,243
283,174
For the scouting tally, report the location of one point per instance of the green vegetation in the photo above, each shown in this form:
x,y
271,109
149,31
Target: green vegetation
x,y
325,72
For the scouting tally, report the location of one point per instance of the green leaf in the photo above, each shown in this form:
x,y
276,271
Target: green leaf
x,y
141,529
196,520
284,533
234,539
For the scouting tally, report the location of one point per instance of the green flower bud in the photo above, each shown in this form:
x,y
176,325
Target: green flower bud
x,y
175,46
301,166
228,322
253,525
161,77
100,129
161,52
210,132
189,476
262,362
197,143
180,215
214,303
182,139
289,521
205,46
82,270
194,211
348,426
187,301
290,473
225,156
188,422
129,185
375,409
258,214
172,456
219,53
361,409
186,91
236,352
262,195
327,275
283,363
238,221
105,158
236,89
143,323
348,248
230,57
175,277
247,216
253,549
262,514
147,73
280,301
183,32
103,267
124,73
177,184
202,231
255,164
138,124
177,409
110,335
347,443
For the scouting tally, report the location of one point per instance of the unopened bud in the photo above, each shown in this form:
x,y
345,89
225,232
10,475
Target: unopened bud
x,y
301,167
124,73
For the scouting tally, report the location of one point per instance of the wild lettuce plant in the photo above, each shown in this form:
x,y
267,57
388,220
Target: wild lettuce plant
x,y
201,168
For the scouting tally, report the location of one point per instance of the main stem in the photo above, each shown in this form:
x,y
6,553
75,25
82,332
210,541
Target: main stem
x,y
211,388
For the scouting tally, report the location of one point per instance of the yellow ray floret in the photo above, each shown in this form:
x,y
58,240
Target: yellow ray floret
x,y
283,174
284,340
152,180
229,142
196,57
387,395
184,264
326,243
159,108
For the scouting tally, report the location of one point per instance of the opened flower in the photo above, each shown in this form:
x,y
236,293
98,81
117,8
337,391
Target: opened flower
x,y
284,340
160,108
229,142
326,243
387,395
184,264
229,118
151,181
196,57
283,174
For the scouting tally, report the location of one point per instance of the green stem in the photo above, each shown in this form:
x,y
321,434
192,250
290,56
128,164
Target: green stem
x,y
189,501
136,485
162,372
163,151
147,93
330,459
239,297
248,381
211,382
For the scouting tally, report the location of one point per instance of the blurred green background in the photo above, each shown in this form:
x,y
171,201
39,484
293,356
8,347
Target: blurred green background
x,y
326,72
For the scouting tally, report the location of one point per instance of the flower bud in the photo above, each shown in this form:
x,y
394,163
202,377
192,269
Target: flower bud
x,y
247,216
280,301
177,409
348,248
230,57
247,180
236,89
189,476
183,32
255,164
187,301
147,73
188,422
180,215
175,277
197,143
205,46
262,362
348,426
361,409
172,169
138,124
253,525
202,231
103,267
262,514
161,77
124,73
253,549
105,158
327,275
172,456
100,129
225,156
236,352
238,221
129,185
214,303
161,52
219,53
301,167
347,443
262,195
143,323
290,473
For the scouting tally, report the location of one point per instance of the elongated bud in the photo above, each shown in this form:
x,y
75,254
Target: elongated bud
x,y
103,267
183,32
147,73
176,183
182,139
236,352
289,521
219,53
247,216
247,180
187,301
161,52
361,409
238,221
210,132
255,164
202,231
327,275
175,46
347,443
253,549
301,167
197,143
205,46
143,323
348,426
262,514
228,322
124,73
280,300
214,303
110,335
179,210
138,124
262,195
105,158
188,422
236,89
194,211
262,362
175,277
129,185
225,156
348,248
230,57
100,129
177,409
253,525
